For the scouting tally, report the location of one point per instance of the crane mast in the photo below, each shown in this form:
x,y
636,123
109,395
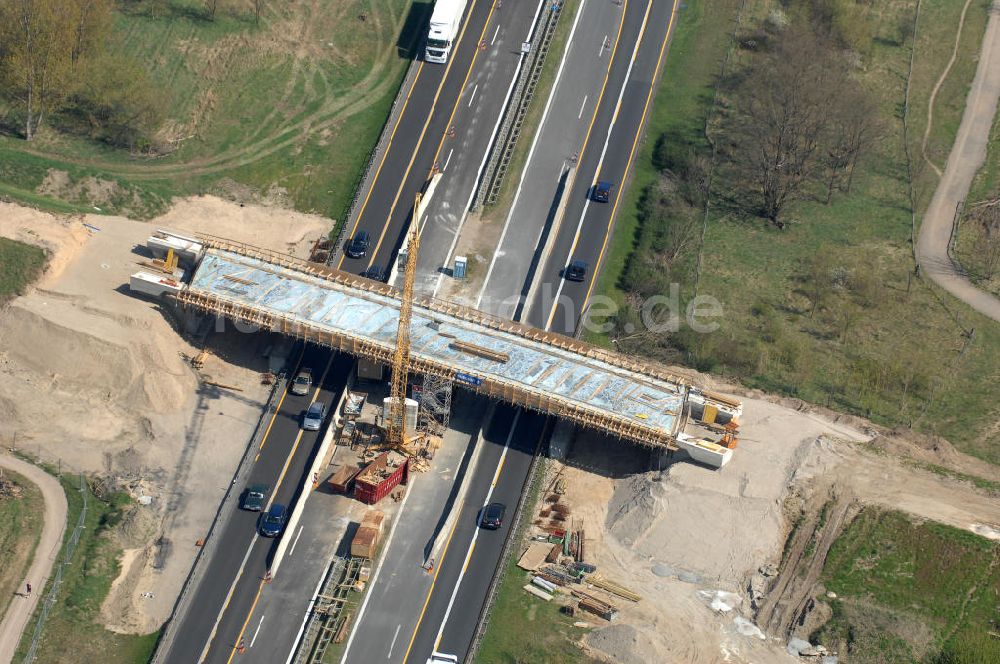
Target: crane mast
x,y
396,426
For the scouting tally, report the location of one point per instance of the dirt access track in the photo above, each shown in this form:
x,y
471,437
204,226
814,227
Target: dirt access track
x,y
967,156
45,555
98,379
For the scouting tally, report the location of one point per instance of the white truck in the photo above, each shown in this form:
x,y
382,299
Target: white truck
x,y
446,21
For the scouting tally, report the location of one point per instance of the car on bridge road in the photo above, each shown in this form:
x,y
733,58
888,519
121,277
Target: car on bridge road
x,y
493,515
312,419
273,521
254,497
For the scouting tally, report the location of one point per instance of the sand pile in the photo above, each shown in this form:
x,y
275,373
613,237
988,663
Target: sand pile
x,y
97,378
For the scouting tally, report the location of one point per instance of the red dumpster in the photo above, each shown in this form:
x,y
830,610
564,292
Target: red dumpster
x,y
381,476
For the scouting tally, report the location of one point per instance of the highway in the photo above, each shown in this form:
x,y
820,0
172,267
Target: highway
x,y
609,147
233,580
433,117
452,611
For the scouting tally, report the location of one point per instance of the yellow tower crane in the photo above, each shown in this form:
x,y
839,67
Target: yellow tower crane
x,y
396,426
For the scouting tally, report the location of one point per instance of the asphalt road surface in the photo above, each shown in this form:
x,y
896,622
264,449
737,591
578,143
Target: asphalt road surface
x,y
422,131
452,612
211,629
579,84
462,158
449,619
584,234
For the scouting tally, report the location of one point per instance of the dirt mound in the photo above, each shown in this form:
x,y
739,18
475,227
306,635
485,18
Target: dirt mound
x,y
634,508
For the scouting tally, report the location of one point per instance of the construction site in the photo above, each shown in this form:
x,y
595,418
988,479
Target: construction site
x,y
542,371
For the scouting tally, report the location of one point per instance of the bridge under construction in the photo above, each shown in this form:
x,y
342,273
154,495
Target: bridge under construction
x,y
525,366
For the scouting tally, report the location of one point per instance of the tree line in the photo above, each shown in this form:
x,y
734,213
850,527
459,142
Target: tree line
x,y
55,62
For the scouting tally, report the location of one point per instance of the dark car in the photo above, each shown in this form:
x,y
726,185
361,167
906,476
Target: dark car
x,y
493,516
254,497
273,521
602,191
576,271
312,419
359,245
375,273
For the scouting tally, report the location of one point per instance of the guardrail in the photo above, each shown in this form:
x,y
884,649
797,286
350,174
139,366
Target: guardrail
x,y
502,150
222,515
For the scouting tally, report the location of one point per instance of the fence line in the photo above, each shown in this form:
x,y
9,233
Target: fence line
x,y
50,597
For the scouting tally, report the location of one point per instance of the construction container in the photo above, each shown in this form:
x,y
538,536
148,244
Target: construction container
x,y
373,519
381,476
354,404
341,480
365,542
410,411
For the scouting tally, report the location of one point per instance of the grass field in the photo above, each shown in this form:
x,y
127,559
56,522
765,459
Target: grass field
x,y
884,345
20,527
285,112
20,264
910,592
73,625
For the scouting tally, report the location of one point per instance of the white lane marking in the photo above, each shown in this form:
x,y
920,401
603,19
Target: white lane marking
x,y
604,45
495,36
256,631
448,160
305,618
393,644
486,155
475,533
582,106
531,151
371,582
474,91
600,162
297,536
229,596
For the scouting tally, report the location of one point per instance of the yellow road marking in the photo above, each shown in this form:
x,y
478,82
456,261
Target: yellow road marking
x,y
232,652
388,148
423,131
437,570
277,410
281,478
593,118
628,164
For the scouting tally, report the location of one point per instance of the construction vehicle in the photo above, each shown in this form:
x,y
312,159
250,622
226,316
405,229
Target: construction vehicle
x,y
446,22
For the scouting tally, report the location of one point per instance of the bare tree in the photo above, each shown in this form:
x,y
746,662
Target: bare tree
x,y
91,22
853,125
258,7
783,117
211,6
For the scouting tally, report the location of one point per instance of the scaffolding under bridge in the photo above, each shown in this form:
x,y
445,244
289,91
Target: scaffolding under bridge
x,y
543,371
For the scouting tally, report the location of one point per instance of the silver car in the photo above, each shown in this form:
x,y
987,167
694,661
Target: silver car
x,y
303,381
313,417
